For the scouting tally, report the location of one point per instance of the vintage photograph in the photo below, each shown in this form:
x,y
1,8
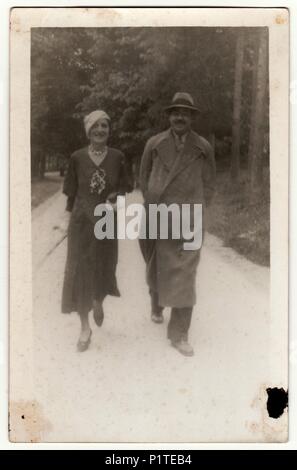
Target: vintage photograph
x,y
150,158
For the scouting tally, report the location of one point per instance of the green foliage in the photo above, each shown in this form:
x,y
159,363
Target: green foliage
x,y
240,225
59,66
131,73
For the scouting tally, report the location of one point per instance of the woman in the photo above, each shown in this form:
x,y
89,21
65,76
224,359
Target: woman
x,y
96,174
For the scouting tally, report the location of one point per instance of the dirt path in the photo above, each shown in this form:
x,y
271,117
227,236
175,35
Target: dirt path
x,y
131,385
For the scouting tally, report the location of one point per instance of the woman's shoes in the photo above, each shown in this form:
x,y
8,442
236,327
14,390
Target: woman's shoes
x,y
98,313
83,345
157,317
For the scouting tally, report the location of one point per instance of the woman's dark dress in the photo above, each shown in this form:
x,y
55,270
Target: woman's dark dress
x,y
91,263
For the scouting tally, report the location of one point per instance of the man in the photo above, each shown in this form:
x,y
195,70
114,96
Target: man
x,y
177,167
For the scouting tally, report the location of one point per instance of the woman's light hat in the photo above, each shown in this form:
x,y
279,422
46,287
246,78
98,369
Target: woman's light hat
x,y
92,118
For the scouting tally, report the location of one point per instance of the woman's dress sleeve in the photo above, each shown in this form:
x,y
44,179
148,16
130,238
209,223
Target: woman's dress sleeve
x,y
126,181
70,184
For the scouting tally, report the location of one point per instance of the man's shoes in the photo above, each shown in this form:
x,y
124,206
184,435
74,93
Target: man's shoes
x,y
183,347
83,345
98,313
157,317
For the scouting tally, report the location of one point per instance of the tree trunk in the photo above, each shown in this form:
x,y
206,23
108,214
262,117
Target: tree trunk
x,y
42,162
258,126
253,104
235,156
35,159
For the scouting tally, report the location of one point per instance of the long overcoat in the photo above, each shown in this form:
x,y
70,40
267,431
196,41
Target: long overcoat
x,y
169,177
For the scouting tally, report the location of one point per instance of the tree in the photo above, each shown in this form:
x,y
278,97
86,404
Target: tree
x,y
133,73
59,66
138,71
236,124
258,127
253,100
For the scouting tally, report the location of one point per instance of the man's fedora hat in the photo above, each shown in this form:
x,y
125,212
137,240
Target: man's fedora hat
x,y
182,100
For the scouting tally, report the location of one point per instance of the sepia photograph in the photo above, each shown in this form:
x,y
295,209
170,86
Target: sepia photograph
x,y
149,225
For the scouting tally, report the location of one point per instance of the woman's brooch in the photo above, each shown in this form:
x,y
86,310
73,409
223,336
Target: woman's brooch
x,y
98,183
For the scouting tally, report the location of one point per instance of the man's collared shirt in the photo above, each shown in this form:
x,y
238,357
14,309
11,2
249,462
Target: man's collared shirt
x,y
179,141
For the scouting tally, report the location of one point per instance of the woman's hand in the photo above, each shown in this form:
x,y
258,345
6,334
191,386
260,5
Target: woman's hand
x,y
63,225
112,200
112,204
